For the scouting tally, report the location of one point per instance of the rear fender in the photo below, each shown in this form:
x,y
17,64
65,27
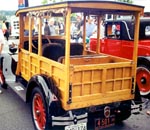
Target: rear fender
x,y
47,86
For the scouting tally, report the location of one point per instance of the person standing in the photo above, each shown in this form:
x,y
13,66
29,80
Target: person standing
x,y
90,26
49,29
4,28
52,27
46,29
2,40
79,25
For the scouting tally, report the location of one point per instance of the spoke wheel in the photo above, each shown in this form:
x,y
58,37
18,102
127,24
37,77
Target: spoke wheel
x,y
38,108
143,80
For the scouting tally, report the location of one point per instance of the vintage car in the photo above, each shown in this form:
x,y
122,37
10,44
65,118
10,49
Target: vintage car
x,y
121,44
65,83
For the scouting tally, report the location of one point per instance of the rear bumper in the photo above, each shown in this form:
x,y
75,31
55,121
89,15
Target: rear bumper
x,y
69,119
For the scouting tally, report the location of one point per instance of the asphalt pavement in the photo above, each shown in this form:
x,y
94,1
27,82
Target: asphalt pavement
x,y
14,113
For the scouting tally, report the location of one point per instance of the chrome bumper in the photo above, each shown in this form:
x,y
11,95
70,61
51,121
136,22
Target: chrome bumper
x,y
70,119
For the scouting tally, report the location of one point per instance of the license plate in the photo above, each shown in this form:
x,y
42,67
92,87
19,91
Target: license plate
x,y
81,126
101,123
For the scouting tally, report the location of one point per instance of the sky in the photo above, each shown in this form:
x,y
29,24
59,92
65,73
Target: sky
x,y
143,3
13,4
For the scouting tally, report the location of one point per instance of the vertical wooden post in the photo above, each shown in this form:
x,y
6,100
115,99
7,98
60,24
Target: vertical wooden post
x,y
30,45
21,41
136,40
30,33
98,34
67,54
84,33
39,36
136,36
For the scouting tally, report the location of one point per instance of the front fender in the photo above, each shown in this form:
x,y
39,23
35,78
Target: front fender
x,y
143,60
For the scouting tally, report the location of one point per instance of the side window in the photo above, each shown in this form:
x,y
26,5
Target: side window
x,y
147,31
113,30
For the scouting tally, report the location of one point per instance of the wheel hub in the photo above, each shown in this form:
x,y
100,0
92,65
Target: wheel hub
x,y
143,80
38,112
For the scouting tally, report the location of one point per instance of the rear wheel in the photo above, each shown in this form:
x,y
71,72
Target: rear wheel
x,y
39,109
143,79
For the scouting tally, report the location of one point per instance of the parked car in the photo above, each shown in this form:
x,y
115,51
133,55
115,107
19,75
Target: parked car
x,y
121,44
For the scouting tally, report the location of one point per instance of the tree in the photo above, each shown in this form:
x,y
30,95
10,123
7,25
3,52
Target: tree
x,y
44,2
127,1
3,18
50,1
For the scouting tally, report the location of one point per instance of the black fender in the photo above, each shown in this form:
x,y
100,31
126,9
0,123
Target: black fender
x,y
8,66
144,60
46,84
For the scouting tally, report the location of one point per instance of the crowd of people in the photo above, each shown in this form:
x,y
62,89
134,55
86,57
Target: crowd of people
x,y
91,28
53,27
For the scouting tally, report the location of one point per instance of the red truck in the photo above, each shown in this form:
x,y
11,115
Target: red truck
x,y
118,41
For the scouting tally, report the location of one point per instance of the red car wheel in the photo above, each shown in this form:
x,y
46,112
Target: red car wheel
x,y
143,80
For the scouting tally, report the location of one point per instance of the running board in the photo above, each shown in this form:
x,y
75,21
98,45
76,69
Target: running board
x,y
19,89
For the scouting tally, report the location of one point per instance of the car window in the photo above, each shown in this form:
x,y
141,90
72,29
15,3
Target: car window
x,y
113,30
147,30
